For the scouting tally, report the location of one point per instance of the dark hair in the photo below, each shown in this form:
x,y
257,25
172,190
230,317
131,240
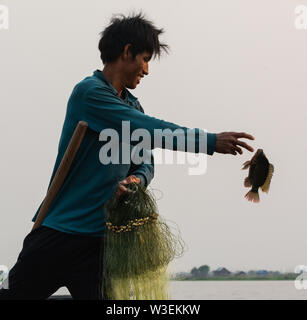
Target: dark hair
x,y
135,29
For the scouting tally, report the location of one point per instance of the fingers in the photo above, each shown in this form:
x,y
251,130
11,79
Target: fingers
x,y
243,135
238,135
131,179
120,189
244,145
237,149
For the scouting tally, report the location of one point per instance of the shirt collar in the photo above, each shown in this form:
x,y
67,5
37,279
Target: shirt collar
x,y
128,95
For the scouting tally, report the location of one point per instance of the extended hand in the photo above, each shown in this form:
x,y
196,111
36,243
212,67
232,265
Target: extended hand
x,y
122,189
227,142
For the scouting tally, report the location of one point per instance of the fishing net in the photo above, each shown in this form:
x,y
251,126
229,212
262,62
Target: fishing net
x,y
139,245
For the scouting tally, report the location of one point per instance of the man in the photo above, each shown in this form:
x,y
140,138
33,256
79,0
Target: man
x,y
67,249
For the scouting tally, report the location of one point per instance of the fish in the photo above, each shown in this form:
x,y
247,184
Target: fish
x,y
259,176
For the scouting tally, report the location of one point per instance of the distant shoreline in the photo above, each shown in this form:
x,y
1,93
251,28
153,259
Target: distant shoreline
x,y
239,279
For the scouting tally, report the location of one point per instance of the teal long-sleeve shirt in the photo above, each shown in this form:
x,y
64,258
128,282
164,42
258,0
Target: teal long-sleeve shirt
x,y
78,207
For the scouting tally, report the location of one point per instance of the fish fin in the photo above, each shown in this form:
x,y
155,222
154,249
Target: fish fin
x,y
247,182
266,186
246,164
252,196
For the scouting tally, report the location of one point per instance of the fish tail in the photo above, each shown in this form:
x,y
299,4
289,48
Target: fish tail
x,y
247,182
246,165
252,196
266,186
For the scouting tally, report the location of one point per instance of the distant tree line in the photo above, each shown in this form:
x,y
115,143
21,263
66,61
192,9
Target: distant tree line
x,y
203,273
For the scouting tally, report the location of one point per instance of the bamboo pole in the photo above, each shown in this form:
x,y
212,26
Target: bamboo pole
x,y
62,171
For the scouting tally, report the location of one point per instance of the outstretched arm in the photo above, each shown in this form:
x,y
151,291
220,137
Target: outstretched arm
x,y
101,109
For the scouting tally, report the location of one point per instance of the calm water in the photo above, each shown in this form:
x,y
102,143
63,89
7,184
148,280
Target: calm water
x,y
236,290
232,290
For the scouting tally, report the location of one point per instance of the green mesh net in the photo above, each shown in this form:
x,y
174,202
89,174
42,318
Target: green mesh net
x,y
139,246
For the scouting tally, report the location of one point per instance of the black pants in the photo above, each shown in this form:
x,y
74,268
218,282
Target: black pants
x,y
51,259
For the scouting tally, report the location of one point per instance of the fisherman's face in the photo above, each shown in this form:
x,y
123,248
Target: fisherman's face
x,y
136,69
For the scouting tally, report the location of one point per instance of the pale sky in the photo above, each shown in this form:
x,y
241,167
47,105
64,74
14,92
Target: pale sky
x,y
234,66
